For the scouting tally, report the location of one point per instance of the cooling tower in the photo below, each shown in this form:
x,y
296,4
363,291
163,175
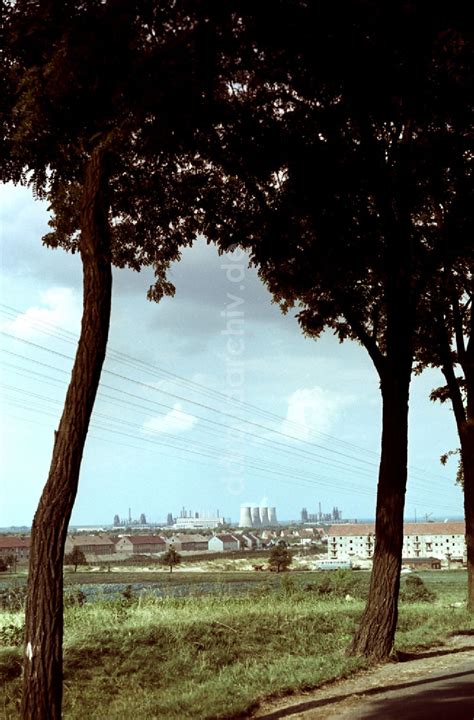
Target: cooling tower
x,y
255,517
264,517
272,516
245,517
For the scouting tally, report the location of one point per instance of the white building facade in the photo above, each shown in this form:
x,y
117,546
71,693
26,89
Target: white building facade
x,y
223,543
194,523
444,541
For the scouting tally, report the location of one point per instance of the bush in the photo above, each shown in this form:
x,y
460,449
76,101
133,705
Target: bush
x,y
13,598
75,599
415,590
338,584
127,594
10,666
12,635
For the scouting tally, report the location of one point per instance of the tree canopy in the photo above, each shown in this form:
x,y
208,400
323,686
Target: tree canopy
x,y
146,81
356,123
280,557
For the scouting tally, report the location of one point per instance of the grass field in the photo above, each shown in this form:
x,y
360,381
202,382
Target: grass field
x,y
215,655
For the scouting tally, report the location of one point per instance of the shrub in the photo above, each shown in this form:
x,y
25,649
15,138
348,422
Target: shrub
x,y
127,594
13,598
415,590
75,599
338,584
11,635
10,666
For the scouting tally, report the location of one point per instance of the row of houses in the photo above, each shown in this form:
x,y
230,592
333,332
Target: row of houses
x,y
103,546
443,541
440,540
130,545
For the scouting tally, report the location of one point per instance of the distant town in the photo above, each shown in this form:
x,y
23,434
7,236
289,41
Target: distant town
x,y
332,540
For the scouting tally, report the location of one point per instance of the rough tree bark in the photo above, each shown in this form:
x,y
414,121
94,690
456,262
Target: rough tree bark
x,y
375,635
42,678
464,416
376,632
466,435
467,454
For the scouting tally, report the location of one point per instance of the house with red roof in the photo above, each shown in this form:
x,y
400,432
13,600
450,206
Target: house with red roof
x,y
16,546
225,542
140,545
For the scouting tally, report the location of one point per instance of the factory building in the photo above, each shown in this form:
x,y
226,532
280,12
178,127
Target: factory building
x,y
191,520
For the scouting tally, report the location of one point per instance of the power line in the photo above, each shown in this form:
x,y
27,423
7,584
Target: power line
x,y
201,405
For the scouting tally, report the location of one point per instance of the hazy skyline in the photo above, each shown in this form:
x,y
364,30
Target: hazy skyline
x,y
302,425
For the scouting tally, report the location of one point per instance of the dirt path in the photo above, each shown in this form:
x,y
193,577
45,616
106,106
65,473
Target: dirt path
x,y
438,683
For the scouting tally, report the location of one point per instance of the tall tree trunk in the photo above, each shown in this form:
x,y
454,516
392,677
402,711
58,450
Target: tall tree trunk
x,y
467,454
464,421
42,678
376,632
466,434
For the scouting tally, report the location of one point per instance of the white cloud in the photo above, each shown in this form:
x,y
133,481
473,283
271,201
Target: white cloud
x,y
60,308
313,409
173,422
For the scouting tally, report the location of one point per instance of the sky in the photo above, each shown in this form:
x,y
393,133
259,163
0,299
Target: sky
x,y
209,400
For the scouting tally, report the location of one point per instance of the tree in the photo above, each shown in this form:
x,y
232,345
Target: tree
x,y
171,558
353,124
280,557
107,107
447,341
75,557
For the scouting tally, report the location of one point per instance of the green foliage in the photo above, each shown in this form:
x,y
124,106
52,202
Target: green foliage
x,y
415,590
171,558
460,467
148,84
13,597
127,594
340,584
8,562
225,652
75,599
12,634
280,557
76,557
10,666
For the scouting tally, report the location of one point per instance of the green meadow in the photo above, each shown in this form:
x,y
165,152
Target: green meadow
x,y
217,653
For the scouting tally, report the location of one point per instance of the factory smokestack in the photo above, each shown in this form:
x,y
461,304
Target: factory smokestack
x,y
272,516
264,516
245,517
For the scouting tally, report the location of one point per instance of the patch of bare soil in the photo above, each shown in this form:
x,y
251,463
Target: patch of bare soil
x,y
337,700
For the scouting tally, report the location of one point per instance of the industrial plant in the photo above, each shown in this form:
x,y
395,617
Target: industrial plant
x,y
335,516
252,516
189,520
